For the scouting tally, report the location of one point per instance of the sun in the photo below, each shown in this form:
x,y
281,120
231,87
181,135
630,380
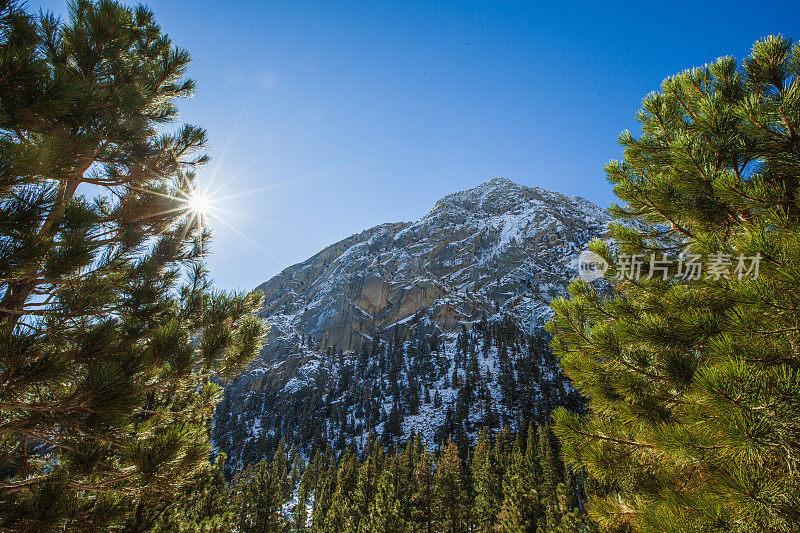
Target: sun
x,y
199,203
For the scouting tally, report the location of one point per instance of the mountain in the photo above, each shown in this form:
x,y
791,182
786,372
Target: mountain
x,y
481,261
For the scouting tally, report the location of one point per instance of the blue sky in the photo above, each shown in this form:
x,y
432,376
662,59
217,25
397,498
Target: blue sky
x,y
377,109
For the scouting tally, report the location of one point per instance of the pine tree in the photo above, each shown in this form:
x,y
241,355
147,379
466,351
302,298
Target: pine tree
x,y
298,465
408,492
423,497
386,512
694,410
261,500
550,466
280,471
205,505
109,330
521,510
368,476
394,424
343,514
486,482
449,501
405,483
300,514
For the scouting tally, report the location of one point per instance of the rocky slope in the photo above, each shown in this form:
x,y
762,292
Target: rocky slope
x,y
499,249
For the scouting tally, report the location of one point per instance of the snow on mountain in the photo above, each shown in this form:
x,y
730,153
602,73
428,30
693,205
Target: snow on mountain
x,y
497,249
474,251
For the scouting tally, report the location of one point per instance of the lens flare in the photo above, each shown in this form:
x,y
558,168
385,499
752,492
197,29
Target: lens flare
x,y
199,203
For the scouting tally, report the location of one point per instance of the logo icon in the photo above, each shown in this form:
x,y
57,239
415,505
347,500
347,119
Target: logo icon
x,y
591,266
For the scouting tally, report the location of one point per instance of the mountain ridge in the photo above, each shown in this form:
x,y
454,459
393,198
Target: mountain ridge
x,y
495,197
499,251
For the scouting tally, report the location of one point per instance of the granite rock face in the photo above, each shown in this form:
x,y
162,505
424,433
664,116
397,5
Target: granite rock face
x,y
499,249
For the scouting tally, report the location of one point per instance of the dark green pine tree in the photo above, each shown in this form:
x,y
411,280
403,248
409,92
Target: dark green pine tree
x,y
550,467
693,382
109,330
423,497
280,471
393,428
344,513
407,493
449,493
324,489
486,483
387,510
260,500
366,487
207,505
300,513
521,510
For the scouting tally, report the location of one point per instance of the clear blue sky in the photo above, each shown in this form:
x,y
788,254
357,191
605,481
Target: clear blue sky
x,y
386,106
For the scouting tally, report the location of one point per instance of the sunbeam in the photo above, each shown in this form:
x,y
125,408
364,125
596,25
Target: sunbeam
x,y
237,175
204,206
248,239
243,215
231,136
288,182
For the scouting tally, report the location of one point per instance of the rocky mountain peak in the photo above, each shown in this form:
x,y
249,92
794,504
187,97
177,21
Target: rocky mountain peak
x,y
499,247
498,252
494,195
501,195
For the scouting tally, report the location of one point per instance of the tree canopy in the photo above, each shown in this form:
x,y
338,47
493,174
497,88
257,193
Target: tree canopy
x,y
109,328
691,363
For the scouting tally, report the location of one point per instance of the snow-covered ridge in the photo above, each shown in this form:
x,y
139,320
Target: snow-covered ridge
x,y
497,249
497,245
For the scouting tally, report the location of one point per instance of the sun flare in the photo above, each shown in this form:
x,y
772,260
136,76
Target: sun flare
x,y
199,203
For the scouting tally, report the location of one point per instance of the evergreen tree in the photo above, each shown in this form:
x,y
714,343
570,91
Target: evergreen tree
x,y
368,476
423,497
549,464
279,468
521,508
449,501
109,330
343,514
692,375
386,512
407,492
261,500
300,513
486,482
205,505
394,424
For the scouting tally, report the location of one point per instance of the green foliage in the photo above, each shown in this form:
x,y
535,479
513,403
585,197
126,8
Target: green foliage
x,y
449,506
521,509
204,505
693,383
109,330
487,484
415,491
422,500
261,497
